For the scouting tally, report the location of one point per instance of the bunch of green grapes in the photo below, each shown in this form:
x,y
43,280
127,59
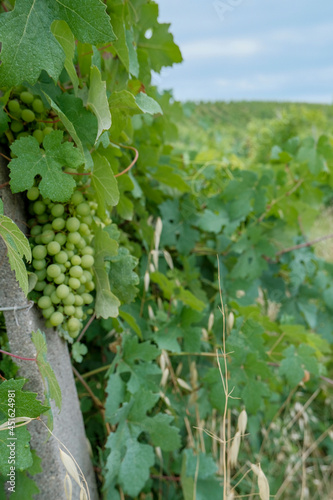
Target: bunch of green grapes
x,y
63,258
28,116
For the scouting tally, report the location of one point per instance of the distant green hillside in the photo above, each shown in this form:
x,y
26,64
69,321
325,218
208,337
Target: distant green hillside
x,y
241,112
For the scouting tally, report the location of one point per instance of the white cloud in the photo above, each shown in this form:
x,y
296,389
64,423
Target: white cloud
x,y
220,47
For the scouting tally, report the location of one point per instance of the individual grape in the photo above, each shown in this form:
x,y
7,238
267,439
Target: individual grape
x,y
38,264
78,313
72,224
76,260
42,219
69,310
73,324
70,246
49,289
61,257
87,261
55,299
78,300
57,210
63,291
88,275
41,275
60,279
16,126
47,227
48,323
44,302
36,230
39,252
81,290
87,220
47,201
58,224
56,318
90,286
53,270
74,283
14,106
83,209
28,115
38,106
81,244
38,239
47,131
60,238
22,134
26,97
77,198
40,285
67,264
48,312
53,248
87,250
39,207
74,238
84,229
76,271
87,298
47,236
90,311
33,193
83,279
38,135
69,300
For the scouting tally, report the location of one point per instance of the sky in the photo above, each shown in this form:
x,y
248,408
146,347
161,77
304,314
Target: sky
x,y
276,50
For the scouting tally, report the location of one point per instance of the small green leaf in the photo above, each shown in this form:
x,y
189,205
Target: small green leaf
x,y
78,351
63,34
122,277
104,183
148,104
98,102
107,304
17,247
53,390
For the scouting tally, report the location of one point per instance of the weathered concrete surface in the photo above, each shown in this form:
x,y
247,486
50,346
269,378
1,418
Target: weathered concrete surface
x,y
68,424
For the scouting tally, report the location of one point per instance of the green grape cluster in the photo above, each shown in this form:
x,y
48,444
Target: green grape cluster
x,y
63,258
28,116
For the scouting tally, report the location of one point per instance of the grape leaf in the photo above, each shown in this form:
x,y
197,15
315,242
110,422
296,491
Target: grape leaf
x,y
134,67
148,104
17,247
23,456
120,46
79,122
161,432
104,183
26,404
78,351
53,389
107,304
30,22
134,469
160,48
66,39
32,160
98,101
122,277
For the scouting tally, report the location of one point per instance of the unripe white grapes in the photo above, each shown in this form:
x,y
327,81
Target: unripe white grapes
x,y
63,259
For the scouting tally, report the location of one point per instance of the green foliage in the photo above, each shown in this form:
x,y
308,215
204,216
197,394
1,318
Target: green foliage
x,y
17,247
244,182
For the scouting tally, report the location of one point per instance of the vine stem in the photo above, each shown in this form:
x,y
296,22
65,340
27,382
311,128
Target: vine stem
x,y
303,245
18,357
91,319
7,158
120,173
